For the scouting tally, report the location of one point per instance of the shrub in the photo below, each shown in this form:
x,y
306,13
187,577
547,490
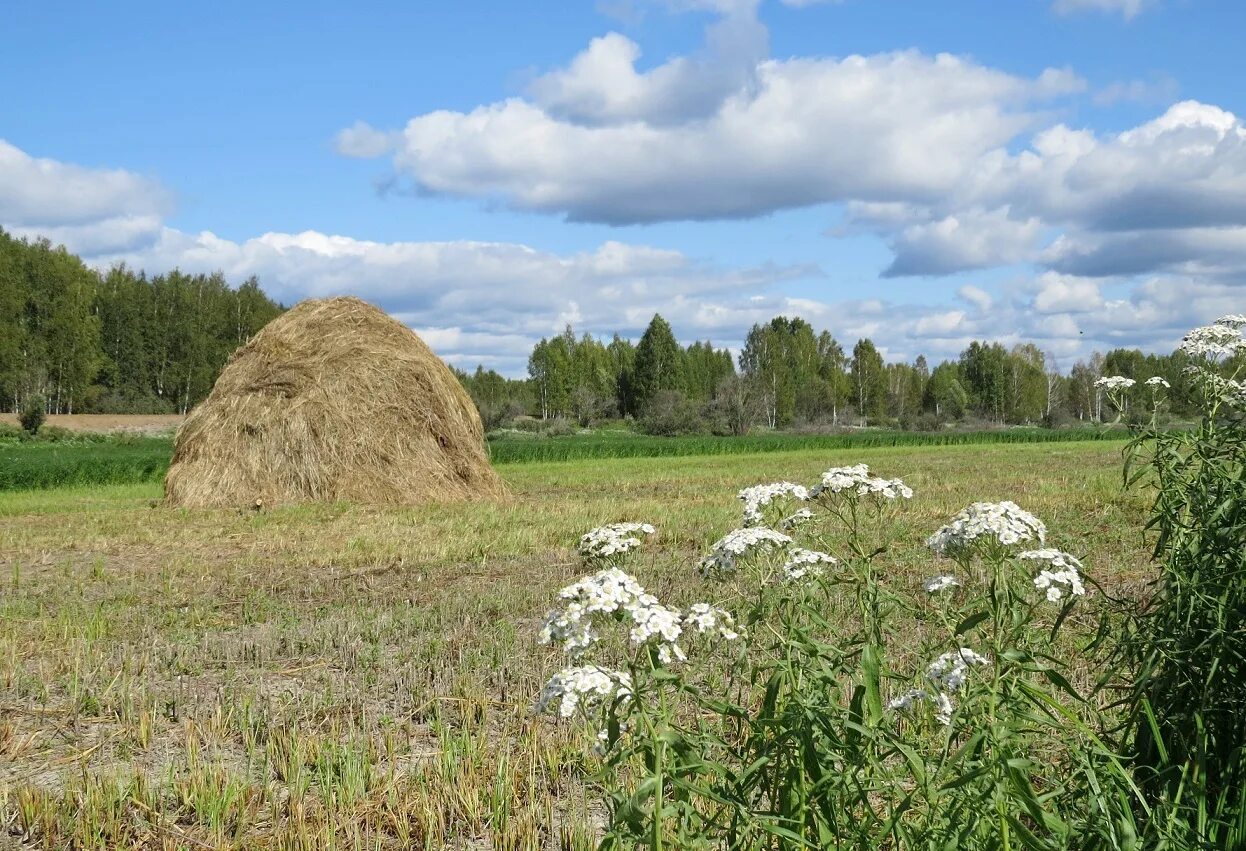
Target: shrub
x,y
34,414
670,413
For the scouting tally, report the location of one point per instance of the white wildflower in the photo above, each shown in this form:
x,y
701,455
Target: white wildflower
x,y
1157,381
705,618
615,539
759,496
611,592
1003,522
941,583
1233,320
800,518
1114,382
582,688
947,673
1062,572
943,709
858,480
1214,342
736,544
802,563
908,700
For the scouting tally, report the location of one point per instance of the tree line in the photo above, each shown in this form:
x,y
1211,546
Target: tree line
x,y
789,375
116,342
120,341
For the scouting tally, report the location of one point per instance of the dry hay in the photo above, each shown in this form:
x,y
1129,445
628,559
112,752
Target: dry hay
x,y
333,400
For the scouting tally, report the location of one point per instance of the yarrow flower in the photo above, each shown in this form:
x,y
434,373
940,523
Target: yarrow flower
x,y
736,544
1004,523
615,539
612,592
941,583
947,673
705,618
759,496
582,688
802,563
798,519
1062,572
857,480
1114,382
1157,381
1222,339
908,700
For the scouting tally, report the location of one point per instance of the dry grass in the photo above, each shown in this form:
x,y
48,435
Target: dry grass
x,y
349,676
332,400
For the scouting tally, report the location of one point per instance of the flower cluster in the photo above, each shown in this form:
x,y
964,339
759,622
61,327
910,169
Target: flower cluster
x,y
612,540
947,674
1222,339
802,563
603,593
857,480
585,687
941,583
1062,572
1157,381
1111,383
707,619
736,544
759,496
1002,522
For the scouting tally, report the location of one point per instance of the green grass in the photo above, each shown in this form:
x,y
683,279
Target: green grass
x,y
360,677
35,465
625,445
39,465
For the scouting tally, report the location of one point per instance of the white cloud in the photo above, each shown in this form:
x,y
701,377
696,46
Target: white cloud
x,y
602,85
1066,294
363,141
976,296
897,126
973,239
1159,88
100,206
1128,9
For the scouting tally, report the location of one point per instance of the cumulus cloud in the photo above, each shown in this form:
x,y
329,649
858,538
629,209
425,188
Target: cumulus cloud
x,y
896,126
602,86
98,207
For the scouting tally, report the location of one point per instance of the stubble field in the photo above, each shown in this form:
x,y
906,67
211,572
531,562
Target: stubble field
x,y
342,676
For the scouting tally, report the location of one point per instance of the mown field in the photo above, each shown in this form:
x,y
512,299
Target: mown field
x,y
130,459
342,676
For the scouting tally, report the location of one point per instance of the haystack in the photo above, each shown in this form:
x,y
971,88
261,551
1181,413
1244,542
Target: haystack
x,y
333,400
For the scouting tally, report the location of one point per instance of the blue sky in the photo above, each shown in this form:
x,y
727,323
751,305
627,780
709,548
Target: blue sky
x,y
1067,171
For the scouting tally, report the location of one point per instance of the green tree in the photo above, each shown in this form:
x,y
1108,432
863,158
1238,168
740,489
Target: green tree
x,y
869,379
659,364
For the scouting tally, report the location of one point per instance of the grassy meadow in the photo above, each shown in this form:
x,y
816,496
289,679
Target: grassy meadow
x,y
343,676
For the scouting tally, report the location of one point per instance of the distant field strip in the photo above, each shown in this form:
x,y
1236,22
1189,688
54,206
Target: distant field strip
x,y
640,446
33,466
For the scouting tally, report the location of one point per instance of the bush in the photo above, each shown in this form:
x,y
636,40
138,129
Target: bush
x,y
34,414
559,428
670,413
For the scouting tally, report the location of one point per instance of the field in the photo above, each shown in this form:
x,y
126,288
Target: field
x,y
341,676
134,458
